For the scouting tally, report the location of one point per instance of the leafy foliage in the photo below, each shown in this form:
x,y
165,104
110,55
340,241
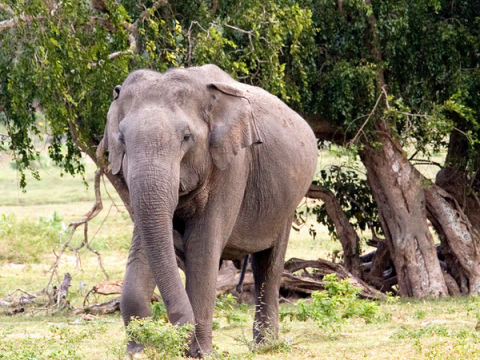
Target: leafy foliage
x,y
331,306
412,64
62,59
159,311
354,195
227,306
268,44
162,340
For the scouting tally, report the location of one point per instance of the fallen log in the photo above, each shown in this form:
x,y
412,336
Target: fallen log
x,y
295,285
292,285
110,287
107,307
15,311
321,268
18,301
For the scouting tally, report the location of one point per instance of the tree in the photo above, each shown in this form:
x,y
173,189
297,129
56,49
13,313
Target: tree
x,y
64,58
382,78
390,80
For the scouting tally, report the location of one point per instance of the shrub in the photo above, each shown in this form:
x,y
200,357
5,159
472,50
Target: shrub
x,y
227,306
159,311
329,307
162,340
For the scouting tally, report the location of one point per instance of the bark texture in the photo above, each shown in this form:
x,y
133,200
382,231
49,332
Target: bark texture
x,y
459,238
457,180
398,191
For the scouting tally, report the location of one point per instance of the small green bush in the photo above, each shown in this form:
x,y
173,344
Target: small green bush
x,y
419,314
54,220
159,311
162,340
329,307
227,306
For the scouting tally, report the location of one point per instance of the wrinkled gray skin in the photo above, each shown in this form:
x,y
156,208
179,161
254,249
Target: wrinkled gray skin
x,y
215,170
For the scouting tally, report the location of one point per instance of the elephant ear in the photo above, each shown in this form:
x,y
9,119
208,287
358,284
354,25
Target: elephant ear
x,y
111,140
232,124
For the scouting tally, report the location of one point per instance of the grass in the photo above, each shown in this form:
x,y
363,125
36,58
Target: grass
x,y
30,233
446,332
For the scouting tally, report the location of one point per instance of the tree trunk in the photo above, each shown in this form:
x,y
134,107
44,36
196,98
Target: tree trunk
x,y
455,179
459,239
398,192
347,236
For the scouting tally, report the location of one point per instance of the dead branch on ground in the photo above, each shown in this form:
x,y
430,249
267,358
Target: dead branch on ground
x,y
293,285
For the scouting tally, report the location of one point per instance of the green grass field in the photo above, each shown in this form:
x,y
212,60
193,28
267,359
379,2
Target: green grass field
x,y
30,228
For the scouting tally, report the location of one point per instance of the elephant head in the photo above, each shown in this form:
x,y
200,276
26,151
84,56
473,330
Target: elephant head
x,y
166,133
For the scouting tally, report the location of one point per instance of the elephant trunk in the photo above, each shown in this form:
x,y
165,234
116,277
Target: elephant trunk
x,y
154,195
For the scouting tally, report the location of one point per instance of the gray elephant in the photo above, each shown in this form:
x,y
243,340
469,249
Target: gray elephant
x,y
215,170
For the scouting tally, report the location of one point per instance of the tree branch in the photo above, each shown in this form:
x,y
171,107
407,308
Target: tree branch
x,y
130,50
370,115
347,236
7,24
133,30
97,207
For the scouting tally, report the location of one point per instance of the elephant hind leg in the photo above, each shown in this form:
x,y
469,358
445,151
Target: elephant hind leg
x,y
137,289
267,267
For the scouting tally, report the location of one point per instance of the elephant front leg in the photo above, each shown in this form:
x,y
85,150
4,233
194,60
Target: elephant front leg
x,y
201,279
137,290
267,268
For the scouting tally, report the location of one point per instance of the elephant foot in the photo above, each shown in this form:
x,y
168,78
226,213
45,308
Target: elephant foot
x,y
197,351
134,347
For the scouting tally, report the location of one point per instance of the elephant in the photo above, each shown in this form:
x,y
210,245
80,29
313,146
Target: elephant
x,y
215,170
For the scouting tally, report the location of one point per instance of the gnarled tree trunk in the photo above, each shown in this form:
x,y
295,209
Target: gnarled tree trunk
x,y
457,179
398,191
460,241
345,232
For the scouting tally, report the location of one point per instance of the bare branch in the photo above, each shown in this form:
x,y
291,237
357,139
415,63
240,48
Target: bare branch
x,y
239,30
28,19
21,290
249,33
425,162
345,232
130,50
369,116
340,5
384,90
97,207
190,45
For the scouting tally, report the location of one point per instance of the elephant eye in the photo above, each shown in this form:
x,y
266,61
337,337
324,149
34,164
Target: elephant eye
x,y
187,137
121,138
